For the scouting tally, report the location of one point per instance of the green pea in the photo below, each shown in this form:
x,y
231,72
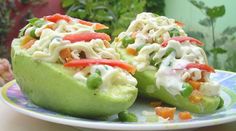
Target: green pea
x,y
94,81
32,34
126,116
126,41
221,104
174,32
188,89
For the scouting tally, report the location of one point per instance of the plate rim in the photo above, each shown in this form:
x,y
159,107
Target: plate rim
x,y
112,125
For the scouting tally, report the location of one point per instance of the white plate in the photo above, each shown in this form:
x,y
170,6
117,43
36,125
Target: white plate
x,y
13,97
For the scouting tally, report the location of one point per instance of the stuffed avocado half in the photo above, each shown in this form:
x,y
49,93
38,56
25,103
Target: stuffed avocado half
x,y
63,64
170,66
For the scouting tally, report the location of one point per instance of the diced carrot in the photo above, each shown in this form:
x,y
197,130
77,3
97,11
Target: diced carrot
x,y
106,43
195,84
185,115
131,51
26,39
66,54
195,97
155,103
28,44
202,77
165,112
99,26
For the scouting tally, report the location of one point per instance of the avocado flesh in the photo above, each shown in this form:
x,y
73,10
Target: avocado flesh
x,y
147,88
53,87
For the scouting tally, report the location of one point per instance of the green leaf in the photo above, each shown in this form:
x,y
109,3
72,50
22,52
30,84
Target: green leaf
x,y
37,22
67,3
229,31
221,41
199,5
218,50
205,22
215,12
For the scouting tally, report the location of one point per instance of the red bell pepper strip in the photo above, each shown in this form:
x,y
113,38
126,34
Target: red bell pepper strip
x,y
114,63
182,39
200,66
98,26
56,17
86,36
179,23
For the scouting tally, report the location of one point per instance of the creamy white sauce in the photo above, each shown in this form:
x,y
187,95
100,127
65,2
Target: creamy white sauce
x,y
110,75
172,73
210,88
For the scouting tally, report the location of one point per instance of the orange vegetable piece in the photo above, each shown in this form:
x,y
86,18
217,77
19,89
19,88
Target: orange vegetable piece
x,y
98,26
106,43
195,97
202,77
66,54
28,44
195,84
131,51
185,115
26,39
165,112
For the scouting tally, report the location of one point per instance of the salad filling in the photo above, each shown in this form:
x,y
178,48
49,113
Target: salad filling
x,y
159,44
64,40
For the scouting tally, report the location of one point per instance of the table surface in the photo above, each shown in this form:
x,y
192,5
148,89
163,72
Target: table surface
x,y
14,121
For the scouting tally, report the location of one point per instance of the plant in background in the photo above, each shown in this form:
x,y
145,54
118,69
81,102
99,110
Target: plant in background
x,y
5,23
211,16
115,14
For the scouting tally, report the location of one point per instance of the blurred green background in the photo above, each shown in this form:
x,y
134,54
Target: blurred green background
x,y
211,21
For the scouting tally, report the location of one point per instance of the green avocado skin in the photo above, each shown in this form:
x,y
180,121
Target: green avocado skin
x,y
147,88
53,87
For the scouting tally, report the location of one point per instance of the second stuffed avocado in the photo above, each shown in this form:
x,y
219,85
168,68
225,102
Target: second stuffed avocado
x,y
170,66
62,64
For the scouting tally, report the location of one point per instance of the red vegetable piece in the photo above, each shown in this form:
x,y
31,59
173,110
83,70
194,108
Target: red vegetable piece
x,y
56,17
182,39
114,63
86,36
201,67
